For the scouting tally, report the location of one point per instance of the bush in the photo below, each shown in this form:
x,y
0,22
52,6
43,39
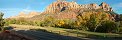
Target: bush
x,y
64,23
108,26
120,29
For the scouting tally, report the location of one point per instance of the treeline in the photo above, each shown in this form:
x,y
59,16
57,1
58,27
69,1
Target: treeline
x,y
96,21
49,21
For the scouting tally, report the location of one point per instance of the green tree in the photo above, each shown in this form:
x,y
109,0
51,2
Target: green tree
x,y
48,21
96,19
108,26
6,22
2,21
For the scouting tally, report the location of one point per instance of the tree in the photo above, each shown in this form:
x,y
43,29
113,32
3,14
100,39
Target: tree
x,y
6,22
108,26
2,21
59,23
120,17
120,21
92,19
82,20
48,21
97,18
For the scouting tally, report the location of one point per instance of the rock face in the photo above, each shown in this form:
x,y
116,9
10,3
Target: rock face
x,y
60,6
105,7
64,9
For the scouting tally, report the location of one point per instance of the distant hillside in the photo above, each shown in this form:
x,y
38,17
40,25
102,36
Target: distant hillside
x,y
25,15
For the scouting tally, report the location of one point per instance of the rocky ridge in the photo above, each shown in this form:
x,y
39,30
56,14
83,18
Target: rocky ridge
x,y
64,9
60,6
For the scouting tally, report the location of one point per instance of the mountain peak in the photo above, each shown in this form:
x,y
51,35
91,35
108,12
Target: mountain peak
x,y
105,6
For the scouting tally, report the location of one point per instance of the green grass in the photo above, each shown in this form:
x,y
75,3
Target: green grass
x,y
69,31
101,34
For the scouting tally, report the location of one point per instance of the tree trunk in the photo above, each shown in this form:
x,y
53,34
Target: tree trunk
x,y
2,29
95,28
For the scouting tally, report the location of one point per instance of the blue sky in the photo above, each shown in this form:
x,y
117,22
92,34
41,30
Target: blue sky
x,y
13,7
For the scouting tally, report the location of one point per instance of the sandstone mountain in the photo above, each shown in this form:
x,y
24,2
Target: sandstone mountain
x,y
64,10
60,6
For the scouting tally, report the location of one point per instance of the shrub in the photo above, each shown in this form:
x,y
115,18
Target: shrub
x,y
108,26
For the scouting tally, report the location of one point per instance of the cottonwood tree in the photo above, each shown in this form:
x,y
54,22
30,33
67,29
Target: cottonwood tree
x,y
97,18
91,19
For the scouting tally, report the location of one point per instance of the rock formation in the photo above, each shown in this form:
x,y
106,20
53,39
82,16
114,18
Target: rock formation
x,y
60,6
64,9
105,7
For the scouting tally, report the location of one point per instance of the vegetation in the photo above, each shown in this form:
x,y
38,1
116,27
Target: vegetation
x,y
88,20
97,21
1,22
120,22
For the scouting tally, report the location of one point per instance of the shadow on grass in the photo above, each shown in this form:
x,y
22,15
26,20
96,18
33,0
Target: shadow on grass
x,y
41,34
96,37
8,35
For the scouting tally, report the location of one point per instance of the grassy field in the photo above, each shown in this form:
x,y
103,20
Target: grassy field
x,y
66,32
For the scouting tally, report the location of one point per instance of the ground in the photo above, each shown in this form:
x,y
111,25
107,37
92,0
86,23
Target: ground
x,y
51,33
